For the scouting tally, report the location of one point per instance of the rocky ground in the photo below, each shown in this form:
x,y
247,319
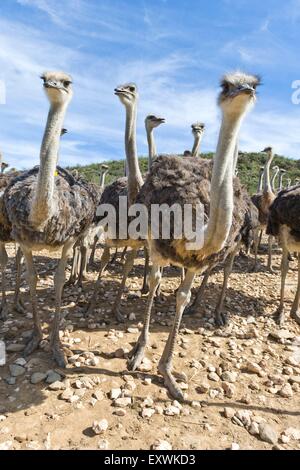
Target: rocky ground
x,y
242,382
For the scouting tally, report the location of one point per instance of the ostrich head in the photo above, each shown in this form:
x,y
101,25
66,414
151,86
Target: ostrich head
x,y
58,87
153,121
238,92
127,93
267,150
197,129
275,168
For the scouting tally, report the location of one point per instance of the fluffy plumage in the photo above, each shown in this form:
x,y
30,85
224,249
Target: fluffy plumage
x,y
285,211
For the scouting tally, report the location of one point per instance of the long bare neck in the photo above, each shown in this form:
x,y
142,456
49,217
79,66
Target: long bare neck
x,y
280,181
267,182
221,194
196,146
102,179
236,157
43,203
151,146
273,181
135,180
260,182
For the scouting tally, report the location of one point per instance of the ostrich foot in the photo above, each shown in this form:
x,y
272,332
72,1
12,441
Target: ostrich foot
x,y
20,307
279,316
119,316
3,311
136,355
295,315
33,342
170,382
221,319
59,355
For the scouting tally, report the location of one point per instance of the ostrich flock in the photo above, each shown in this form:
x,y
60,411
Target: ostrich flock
x,y
50,208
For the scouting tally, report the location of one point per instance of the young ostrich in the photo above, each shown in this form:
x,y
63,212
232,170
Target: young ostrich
x,y
151,122
284,222
177,180
263,202
245,238
48,209
197,130
128,95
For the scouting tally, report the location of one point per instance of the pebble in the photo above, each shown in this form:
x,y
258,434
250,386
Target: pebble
x,y
203,388
37,377
253,429
122,402
55,386
267,433
10,380
292,433
100,427
146,365
229,412
172,411
15,347
52,377
2,418
132,317
120,412
235,446
230,377
286,391
214,377
67,394
98,395
161,445
132,330
103,444
229,389
115,393
21,362
254,368
148,412
6,445
16,370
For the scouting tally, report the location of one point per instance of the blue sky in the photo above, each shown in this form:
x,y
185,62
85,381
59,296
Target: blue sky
x,y
175,51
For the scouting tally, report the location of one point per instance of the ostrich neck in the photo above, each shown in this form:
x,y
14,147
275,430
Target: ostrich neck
x,y
260,182
267,182
280,181
236,157
151,147
102,179
43,203
273,181
196,146
135,180
221,194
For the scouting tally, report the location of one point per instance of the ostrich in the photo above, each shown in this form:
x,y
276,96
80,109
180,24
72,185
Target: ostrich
x,y
288,183
151,122
197,130
177,180
263,202
127,187
103,172
284,222
49,209
281,175
245,238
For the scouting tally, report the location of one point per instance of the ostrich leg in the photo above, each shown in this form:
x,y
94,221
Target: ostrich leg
x,y
193,308
220,317
76,263
136,356
3,262
93,252
83,262
145,288
130,257
103,263
59,281
295,314
18,303
270,249
37,334
165,364
279,315
256,244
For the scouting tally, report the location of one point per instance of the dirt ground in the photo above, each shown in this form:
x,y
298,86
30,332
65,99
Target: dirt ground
x,y
242,382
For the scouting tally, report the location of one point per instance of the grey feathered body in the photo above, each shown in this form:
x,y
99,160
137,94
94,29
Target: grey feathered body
x,y
75,199
174,180
285,210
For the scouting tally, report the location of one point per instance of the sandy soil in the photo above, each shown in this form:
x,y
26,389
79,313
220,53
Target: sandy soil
x,y
255,406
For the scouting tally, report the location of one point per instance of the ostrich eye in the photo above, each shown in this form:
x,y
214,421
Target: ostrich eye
x,y
67,83
132,88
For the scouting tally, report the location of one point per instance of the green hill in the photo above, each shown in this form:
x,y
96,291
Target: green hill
x,y
249,168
